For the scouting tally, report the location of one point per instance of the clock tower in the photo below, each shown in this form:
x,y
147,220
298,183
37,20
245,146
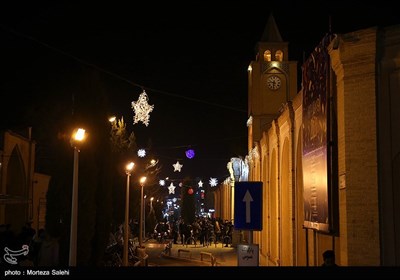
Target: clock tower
x,y
272,81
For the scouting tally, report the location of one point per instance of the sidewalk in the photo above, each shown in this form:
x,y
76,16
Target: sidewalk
x,y
215,255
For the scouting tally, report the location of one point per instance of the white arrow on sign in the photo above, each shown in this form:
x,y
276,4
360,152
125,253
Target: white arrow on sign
x,y
247,199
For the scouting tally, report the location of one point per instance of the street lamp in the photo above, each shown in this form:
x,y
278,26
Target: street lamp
x,y
151,207
144,215
77,137
112,119
128,171
151,204
142,181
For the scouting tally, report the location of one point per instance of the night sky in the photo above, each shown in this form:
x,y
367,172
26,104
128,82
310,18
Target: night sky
x,y
190,58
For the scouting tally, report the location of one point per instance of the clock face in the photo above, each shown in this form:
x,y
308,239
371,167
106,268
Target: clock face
x,y
274,82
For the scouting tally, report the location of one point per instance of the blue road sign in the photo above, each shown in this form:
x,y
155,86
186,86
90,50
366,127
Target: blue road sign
x,y
248,205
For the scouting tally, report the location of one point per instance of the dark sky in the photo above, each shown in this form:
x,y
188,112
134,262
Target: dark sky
x,y
190,58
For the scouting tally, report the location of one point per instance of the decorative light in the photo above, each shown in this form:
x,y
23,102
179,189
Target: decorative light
x,y
171,188
142,109
213,182
200,184
177,166
162,182
190,153
141,152
190,191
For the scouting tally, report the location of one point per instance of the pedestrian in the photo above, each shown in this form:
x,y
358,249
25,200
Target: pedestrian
x,y
329,258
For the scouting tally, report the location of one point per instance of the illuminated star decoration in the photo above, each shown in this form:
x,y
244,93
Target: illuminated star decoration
x,y
171,188
141,153
142,109
213,182
200,184
177,166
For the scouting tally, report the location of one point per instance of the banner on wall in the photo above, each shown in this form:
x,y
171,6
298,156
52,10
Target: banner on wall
x,y
315,146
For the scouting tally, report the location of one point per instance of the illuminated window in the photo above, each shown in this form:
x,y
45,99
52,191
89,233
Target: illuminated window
x,y
267,55
279,55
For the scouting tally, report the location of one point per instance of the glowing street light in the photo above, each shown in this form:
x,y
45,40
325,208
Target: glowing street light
x,y
151,204
128,171
77,138
112,119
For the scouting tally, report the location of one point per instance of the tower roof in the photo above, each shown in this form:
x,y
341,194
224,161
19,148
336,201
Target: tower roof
x,y
271,31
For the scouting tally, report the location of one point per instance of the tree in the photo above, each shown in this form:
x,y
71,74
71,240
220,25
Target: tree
x,y
122,151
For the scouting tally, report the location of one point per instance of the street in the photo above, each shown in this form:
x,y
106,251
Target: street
x,y
180,255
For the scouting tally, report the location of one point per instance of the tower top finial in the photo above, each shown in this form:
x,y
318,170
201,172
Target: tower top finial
x,y
271,32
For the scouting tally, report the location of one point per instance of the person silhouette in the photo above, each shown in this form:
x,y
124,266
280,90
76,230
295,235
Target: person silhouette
x,y
329,258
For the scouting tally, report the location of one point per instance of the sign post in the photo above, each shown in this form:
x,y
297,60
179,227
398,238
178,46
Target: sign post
x,y
248,216
248,205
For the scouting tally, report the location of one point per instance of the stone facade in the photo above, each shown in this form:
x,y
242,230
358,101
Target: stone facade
x,y
23,192
365,167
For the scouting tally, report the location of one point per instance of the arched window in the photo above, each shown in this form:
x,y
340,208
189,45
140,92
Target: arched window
x,y
279,55
267,55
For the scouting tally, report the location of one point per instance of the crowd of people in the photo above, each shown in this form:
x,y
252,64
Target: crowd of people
x,y
202,230
28,247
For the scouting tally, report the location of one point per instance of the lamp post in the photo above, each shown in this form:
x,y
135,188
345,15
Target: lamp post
x,y
144,217
77,137
128,171
142,181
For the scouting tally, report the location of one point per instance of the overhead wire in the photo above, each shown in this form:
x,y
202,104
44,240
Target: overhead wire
x,y
115,75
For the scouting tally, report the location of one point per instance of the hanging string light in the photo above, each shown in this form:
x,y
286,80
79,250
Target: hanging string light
x,y
141,153
213,182
190,153
171,188
177,166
